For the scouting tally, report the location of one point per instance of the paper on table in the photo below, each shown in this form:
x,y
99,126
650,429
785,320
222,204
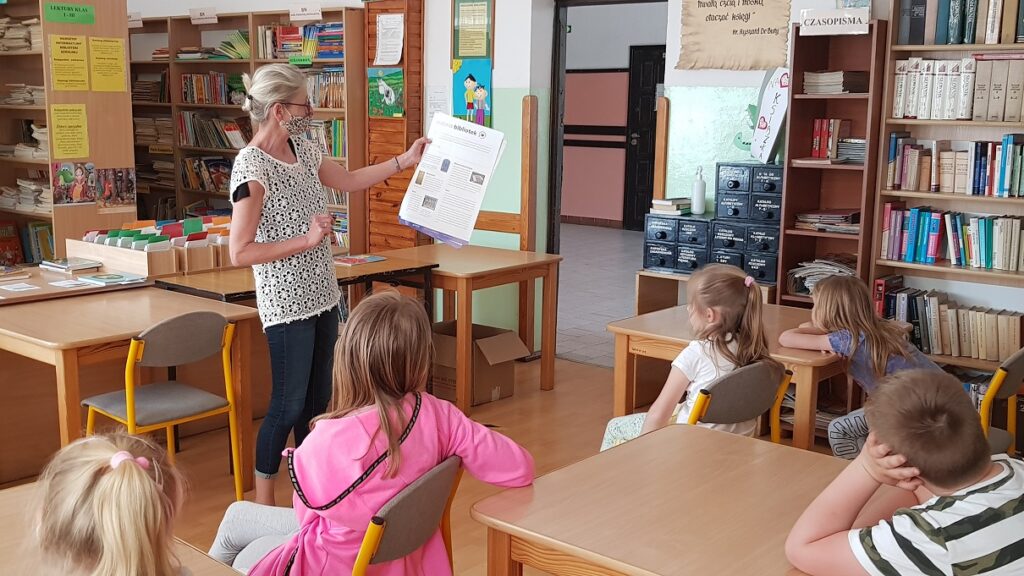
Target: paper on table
x,y
19,287
437,101
70,284
390,38
447,190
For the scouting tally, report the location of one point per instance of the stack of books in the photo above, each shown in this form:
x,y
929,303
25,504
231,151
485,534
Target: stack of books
x,y
195,53
200,129
670,206
212,88
960,22
330,40
70,265
827,135
841,221
9,197
234,47
151,90
29,195
836,82
853,149
154,130
210,174
803,278
335,197
18,36
25,95
326,87
35,33
161,54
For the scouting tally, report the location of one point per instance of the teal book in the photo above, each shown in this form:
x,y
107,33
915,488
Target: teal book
x,y
942,23
912,224
956,22
970,20
923,227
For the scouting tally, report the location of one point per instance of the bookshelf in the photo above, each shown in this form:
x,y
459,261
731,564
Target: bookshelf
x,y
812,186
942,273
178,32
109,127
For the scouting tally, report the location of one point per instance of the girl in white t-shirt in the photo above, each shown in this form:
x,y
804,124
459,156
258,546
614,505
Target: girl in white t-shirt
x,y
725,313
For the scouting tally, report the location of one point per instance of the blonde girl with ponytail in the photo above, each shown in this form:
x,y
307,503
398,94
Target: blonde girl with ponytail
x,y
725,311
107,505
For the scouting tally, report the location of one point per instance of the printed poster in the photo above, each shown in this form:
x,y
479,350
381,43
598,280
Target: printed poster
x,y
115,191
69,131
471,91
387,92
734,34
107,65
471,34
69,69
74,182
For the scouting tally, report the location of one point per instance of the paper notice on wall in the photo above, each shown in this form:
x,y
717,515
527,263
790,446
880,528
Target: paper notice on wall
x,y
135,19
771,116
107,66
305,11
69,131
734,34
437,101
69,68
444,198
472,23
390,39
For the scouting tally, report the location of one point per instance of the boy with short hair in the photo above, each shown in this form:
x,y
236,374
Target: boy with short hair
x,y
966,516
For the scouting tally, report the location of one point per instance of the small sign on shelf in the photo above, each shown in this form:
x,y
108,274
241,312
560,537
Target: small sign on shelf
x,y
305,11
206,15
135,19
834,22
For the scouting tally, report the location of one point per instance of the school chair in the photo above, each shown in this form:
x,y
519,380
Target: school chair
x,y
163,405
743,394
411,517
1005,384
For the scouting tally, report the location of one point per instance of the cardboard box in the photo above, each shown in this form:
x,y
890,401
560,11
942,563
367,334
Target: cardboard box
x,y
494,353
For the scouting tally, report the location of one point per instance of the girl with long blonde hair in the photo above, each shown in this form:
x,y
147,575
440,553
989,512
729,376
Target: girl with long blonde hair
x,y
843,321
725,311
381,433
106,507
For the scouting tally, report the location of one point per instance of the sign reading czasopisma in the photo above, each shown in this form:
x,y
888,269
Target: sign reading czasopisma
x,y
734,34
816,22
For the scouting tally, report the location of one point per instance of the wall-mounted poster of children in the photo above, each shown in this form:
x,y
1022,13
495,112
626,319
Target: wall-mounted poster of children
x,y
116,189
74,182
471,90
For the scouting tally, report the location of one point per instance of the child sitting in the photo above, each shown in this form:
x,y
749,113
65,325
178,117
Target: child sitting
x,y
724,306
107,505
381,433
925,435
844,321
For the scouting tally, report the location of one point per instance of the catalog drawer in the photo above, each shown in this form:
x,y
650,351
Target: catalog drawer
x,y
729,235
733,206
762,267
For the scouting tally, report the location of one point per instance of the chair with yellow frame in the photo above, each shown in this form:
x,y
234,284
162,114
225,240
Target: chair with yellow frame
x,y
742,395
146,408
1005,385
412,517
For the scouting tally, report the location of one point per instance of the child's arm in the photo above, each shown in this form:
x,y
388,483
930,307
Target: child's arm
x,y
806,339
487,455
819,542
671,394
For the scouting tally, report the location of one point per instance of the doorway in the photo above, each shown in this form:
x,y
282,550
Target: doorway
x,y
646,74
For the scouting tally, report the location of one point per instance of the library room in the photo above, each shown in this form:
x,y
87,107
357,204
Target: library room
x,y
507,287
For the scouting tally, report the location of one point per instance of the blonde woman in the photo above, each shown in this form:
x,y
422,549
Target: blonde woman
x,y
279,227
106,507
844,321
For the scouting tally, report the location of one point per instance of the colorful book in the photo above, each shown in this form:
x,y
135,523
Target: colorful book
x,y
357,260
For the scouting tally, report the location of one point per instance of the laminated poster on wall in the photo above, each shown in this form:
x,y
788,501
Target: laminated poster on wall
x,y
472,28
771,116
387,92
69,131
74,182
107,64
69,68
115,190
471,91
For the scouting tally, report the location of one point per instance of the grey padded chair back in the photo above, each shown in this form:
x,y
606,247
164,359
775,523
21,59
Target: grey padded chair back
x,y
743,394
1014,366
414,514
183,339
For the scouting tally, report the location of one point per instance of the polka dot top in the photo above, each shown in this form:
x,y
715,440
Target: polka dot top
x,y
302,285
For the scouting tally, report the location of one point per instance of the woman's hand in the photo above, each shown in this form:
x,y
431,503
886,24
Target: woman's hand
x,y
412,156
319,226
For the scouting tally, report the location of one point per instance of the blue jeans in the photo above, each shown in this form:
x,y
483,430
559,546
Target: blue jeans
x,y
301,361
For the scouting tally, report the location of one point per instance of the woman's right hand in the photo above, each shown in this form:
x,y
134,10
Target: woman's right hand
x,y
319,226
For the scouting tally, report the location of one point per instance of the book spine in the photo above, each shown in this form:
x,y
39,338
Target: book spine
x,y
970,21
879,296
923,227
899,101
886,222
904,32
913,82
926,90
1009,23
947,222
934,237
895,235
993,27
954,77
997,90
930,21
1014,91
912,226
816,141
954,331
983,79
904,236
956,22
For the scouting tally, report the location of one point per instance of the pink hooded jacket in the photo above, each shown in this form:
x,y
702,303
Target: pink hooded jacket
x,y
337,452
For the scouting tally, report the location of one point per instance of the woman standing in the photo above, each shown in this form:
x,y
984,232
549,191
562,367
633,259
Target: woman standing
x,y
279,227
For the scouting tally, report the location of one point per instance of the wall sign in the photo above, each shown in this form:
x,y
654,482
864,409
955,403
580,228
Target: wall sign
x,y
135,19
206,15
834,22
734,34
302,11
472,28
69,13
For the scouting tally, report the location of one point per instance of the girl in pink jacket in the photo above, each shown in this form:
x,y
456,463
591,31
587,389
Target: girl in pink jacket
x,y
381,433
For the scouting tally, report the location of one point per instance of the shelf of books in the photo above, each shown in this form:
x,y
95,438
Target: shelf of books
x,y
948,253
188,92
829,182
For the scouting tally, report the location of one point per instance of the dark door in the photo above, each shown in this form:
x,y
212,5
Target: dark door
x,y
557,130
646,72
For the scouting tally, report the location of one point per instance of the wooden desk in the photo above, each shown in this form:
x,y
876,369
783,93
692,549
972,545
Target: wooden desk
x,y
460,271
665,333
660,290
42,279
74,332
682,500
16,549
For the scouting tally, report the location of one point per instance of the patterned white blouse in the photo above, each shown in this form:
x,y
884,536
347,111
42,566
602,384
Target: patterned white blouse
x,y
302,285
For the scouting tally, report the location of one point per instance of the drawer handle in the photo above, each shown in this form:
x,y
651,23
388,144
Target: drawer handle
x,y
768,186
768,214
660,235
732,184
764,245
693,239
734,212
729,243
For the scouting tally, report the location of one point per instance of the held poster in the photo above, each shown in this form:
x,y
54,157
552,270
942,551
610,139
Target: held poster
x,y
734,34
472,29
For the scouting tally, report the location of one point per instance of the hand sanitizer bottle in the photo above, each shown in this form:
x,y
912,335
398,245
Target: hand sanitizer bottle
x,y
699,190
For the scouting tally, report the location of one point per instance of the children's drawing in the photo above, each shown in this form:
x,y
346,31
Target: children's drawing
x,y
471,87
387,92
116,190
74,182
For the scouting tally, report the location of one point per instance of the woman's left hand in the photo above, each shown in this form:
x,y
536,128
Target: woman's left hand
x,y
412,156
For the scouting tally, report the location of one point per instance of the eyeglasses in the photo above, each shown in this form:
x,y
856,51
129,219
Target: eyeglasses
x,y
305,106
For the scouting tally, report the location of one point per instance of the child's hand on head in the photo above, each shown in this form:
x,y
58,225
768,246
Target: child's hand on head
x,y
886,467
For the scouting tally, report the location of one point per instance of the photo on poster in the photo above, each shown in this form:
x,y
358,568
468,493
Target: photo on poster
x,y
116,190
471,90
74,182
387,92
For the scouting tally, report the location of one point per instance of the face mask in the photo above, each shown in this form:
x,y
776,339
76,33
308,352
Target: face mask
x,y
297,125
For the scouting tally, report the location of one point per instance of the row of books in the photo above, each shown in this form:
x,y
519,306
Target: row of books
x,y
941,326
207,174
154,175
151,90
923,235
937,89
234,47
837,220
326,87
201,129
151,130
35,240
212,88
329,136
324,40
336,197
23,36
836,82
827,136
960,22
339,224
973,168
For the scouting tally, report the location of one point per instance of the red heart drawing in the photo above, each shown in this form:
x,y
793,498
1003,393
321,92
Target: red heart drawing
x,y
762,124
784,80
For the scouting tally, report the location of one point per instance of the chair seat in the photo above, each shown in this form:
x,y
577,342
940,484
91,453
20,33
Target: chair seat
x,y
158,403
999,440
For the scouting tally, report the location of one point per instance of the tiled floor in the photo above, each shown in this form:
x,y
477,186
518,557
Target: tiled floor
x,y
597,281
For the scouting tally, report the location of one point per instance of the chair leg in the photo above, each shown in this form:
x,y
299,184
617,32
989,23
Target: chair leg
x,y
170,444
236,463
90,422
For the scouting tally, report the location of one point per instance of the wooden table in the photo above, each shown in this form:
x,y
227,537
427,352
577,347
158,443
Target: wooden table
x,y
660,290
665,333
682,500
42,279
19,558
85,330
460,271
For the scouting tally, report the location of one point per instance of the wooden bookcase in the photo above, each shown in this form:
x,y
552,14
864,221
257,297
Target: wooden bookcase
x,y
110,126
818,187
179,32
942,130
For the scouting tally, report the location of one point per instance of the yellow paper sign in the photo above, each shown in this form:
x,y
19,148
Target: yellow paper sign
x,y
106,61
69,131
68,67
